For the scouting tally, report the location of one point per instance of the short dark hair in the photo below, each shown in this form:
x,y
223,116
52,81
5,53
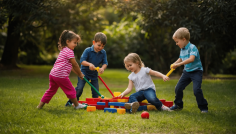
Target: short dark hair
x,y
100,37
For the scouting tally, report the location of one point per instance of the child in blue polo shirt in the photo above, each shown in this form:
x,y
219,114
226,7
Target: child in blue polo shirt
x,y
190,58
91,58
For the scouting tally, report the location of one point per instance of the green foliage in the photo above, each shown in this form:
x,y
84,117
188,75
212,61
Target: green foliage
x,y
211,24
21,91
123,38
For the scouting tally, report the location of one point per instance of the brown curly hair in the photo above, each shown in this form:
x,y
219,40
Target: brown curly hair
x,y
67,35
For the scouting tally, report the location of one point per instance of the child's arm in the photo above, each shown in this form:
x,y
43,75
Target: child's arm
x,y
128,90
91,66
76,68
101,70
180,63
158,74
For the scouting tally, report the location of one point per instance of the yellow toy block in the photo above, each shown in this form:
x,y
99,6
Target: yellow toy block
x,y
91,108
121,110
112,106
122,100
144,101
117,94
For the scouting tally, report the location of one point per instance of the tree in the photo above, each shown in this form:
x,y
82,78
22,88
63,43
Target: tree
x,y
22,16
211,24
36,26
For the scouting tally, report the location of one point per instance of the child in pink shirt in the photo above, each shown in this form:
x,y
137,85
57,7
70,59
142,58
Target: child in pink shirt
x,y
59,75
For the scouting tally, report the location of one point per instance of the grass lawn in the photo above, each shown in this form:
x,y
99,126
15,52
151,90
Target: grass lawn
x,y
21,91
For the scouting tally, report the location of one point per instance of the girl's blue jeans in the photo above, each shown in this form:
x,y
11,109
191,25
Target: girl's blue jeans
x,y
148,94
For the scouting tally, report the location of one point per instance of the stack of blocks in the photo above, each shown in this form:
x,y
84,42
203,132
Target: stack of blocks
x,y
115,104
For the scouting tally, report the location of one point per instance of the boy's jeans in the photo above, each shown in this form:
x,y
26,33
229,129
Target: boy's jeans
x,y
148,94
186,79
80,87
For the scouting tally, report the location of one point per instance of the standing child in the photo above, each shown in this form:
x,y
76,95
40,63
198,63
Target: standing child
x,y
142,81
190,58
91,58
59,75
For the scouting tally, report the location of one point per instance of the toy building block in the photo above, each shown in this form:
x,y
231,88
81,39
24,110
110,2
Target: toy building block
x,y
91,108
163,101
122,100
113,100
169,103
144,101
112,106
101,103
117,94
116,104
121,110
111,110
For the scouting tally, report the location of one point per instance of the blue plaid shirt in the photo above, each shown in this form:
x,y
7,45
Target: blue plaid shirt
x,y
185,53
96,58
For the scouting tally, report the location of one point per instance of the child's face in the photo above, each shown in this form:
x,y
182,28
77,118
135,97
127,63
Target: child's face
x,y
180,42
72,44
98,46
133,67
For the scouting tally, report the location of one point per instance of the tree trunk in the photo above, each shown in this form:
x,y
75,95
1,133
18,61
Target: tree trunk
x,y
10,53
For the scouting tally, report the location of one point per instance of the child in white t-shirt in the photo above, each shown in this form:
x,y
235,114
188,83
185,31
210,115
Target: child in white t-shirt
x,y
142,81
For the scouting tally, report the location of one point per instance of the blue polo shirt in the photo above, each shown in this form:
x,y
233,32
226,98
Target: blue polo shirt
x,y
96,58
185,53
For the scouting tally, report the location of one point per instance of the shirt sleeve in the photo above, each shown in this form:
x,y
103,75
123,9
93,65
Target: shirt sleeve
x,y
147,70
130,76
194,51
84,55
70,54
104,60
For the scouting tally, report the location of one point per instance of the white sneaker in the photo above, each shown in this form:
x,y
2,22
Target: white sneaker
x,y
81,106
165,108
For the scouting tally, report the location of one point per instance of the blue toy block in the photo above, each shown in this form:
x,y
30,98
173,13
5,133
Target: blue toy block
x,y
119,104
111,110
101,103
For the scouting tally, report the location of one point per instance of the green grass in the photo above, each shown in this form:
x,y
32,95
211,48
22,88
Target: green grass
x,y
21,91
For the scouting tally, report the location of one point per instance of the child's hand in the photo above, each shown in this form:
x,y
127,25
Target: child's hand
x,y
101,70
91,67
165,78
121,95
81,76
174,66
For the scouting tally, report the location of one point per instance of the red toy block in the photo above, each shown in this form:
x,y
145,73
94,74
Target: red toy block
x,y
163,101
169,103
113,100
96,99
100,107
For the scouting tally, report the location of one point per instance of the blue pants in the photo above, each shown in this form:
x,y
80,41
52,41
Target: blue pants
x,y
80,87
148,94
186,79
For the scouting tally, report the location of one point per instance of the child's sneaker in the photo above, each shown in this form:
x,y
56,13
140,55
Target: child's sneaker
x,y
81,106
68,104
165,108
127,105
176,108
134,107
204,111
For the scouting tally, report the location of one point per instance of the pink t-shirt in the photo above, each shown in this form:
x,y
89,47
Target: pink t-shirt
x,y
62,66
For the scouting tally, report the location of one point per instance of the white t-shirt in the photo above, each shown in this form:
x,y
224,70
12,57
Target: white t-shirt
x,y
142,80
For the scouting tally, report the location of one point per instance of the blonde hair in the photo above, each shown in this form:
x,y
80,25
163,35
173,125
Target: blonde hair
x,y
133,57
182,33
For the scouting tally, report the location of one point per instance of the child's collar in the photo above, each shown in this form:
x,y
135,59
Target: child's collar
x,y
186,47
